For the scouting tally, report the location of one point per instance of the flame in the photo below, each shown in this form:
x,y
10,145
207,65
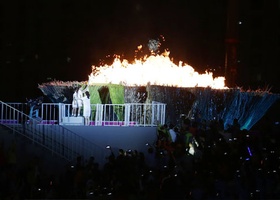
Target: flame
x,y
153,70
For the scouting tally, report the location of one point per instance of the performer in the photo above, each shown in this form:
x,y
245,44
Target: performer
x,y
80,97
86,107
75,102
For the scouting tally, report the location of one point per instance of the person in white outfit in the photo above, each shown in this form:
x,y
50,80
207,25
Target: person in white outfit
x,y
79,100
86,107
75,102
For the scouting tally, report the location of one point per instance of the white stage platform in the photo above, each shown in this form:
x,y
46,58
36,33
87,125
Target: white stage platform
x,y
72,121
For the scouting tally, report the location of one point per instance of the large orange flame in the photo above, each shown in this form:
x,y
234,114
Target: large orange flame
x,y
153,70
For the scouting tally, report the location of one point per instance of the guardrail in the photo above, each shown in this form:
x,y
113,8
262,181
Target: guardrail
x,y
67,144
129,114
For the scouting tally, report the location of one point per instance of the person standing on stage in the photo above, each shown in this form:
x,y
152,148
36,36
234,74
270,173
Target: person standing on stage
x,y
79,100
86,107
75,102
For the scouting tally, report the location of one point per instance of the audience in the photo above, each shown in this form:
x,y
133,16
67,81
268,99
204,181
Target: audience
x,y
199,160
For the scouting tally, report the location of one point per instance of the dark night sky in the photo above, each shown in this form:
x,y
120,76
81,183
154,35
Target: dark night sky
x,y
62,39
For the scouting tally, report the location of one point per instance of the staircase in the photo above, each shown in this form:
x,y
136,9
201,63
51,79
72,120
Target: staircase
x,y
26,151
53,140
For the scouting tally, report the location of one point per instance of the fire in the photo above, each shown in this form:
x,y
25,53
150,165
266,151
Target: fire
x,y
153,70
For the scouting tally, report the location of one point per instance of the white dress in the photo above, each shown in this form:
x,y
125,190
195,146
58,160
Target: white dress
x,y
75,100
80,96
86,109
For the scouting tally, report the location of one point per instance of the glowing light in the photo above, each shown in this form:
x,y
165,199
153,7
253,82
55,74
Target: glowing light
x,y
249,151
154,70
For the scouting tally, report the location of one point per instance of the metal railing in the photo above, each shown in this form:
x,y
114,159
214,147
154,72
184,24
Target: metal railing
x,y
130,114
57,139
65,143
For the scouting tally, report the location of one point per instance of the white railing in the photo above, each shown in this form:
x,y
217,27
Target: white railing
x,y
67,144
43,129
130,114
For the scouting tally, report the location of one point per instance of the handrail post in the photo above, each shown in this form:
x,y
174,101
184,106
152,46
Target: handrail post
x,y
61,112
163,113
42,111
99,114
127,114
153,113
96,114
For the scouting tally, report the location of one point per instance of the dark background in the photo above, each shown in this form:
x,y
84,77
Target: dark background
x,y
44,40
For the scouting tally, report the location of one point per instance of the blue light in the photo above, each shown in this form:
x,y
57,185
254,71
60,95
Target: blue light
x,y
249,151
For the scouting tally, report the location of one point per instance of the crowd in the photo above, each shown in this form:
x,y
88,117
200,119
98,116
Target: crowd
x,y
192,160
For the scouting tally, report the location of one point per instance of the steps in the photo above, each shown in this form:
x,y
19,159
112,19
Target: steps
x,y
26,151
